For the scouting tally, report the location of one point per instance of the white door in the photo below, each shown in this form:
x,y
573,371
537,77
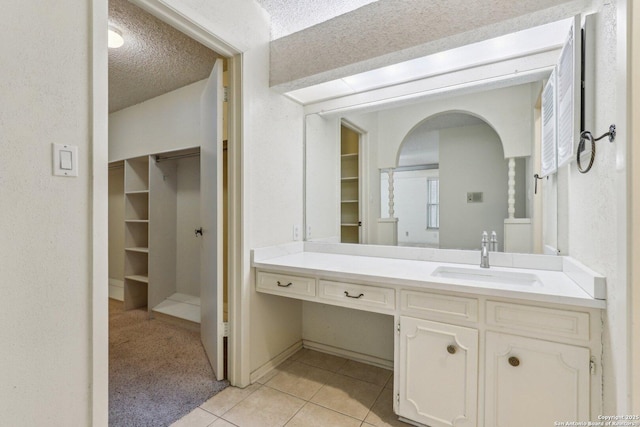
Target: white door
x,y
533,383
211,209
438,371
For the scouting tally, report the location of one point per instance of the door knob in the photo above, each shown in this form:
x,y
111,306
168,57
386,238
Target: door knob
x,y
514,361
198,231
451,349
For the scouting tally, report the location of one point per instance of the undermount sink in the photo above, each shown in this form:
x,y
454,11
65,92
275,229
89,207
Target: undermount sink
x,y
488,276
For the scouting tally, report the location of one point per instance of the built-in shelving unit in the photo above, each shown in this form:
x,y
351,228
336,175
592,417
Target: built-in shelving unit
x,y
136,214
161,213
349,186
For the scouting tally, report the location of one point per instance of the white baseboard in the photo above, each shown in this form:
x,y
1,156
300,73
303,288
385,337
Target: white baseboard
x,y
348,354
116,289
273,363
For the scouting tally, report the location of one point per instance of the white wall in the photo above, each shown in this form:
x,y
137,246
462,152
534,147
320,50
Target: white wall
x,y
471,160
322,145
165,123
362,332
272,198
507,110
45,221
596,213
188,220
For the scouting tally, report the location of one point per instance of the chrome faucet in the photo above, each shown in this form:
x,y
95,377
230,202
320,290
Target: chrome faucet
x,y
484,251
493,247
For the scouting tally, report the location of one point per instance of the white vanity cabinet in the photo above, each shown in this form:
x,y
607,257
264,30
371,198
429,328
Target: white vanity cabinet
x,y
532,382
494,363
438,375
473,358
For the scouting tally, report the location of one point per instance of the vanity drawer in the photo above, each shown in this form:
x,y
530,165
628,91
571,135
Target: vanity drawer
x,y
540,321
439,307
356,296
281,284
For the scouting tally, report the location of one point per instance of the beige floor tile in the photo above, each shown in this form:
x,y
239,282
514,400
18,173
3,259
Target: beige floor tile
x,y
381,414
300,380
368,373
389,383
272,373
264,408
295,356
347,395
322,360
195,418
316,416
228,398
222,423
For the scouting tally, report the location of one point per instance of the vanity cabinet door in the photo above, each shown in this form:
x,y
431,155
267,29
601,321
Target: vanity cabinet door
x,y
533,383
438,373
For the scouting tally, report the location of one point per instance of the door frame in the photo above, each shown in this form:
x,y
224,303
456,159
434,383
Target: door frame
x,y
238,368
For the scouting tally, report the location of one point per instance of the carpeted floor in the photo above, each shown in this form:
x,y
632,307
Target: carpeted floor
x,y
158,372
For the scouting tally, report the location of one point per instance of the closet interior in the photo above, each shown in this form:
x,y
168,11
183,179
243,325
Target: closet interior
x,y
155,235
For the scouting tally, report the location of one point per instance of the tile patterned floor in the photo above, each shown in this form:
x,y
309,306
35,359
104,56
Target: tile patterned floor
x,y
310,389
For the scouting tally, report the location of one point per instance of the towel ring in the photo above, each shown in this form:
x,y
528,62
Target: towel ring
x,y
586,135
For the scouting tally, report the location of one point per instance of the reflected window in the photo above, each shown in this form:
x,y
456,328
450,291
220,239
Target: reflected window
x,y
433,203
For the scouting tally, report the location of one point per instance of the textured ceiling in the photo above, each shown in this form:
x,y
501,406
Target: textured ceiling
x,y
390,31
155,58
291,16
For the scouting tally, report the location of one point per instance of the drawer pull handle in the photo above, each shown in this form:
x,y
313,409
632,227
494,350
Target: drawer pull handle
x,y
514,361
346,294
284,286
451,349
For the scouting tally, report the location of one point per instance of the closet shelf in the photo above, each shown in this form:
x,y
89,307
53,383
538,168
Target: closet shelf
x,y
349,155
349,178
136,192
349,201
137,220
138,249
138,278
349,224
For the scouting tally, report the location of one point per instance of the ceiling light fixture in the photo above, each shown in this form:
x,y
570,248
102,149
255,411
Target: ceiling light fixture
x,y
115,38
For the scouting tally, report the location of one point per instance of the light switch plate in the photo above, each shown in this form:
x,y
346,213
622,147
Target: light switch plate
x,y
65,160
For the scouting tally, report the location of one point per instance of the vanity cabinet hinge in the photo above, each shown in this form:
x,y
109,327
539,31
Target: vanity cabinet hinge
x,y
398,398
592,365
398,328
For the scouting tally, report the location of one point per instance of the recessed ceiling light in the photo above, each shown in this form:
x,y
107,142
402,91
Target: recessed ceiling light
x,y
115,38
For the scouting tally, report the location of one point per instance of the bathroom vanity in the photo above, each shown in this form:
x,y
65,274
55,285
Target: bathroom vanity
x,y
518,343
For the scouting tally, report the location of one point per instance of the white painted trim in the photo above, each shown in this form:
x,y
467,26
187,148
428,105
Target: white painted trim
x,y
239,289
98,159
634,202
348,354
186,25
273,363
621,303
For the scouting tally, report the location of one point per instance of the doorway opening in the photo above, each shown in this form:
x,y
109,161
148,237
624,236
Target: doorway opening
x,y
168,186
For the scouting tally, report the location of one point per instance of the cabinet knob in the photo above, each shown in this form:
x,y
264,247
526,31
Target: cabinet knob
x,y
514,361
451,349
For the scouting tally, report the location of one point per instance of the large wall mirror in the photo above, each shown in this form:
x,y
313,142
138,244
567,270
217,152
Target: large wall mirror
x,y
437,168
